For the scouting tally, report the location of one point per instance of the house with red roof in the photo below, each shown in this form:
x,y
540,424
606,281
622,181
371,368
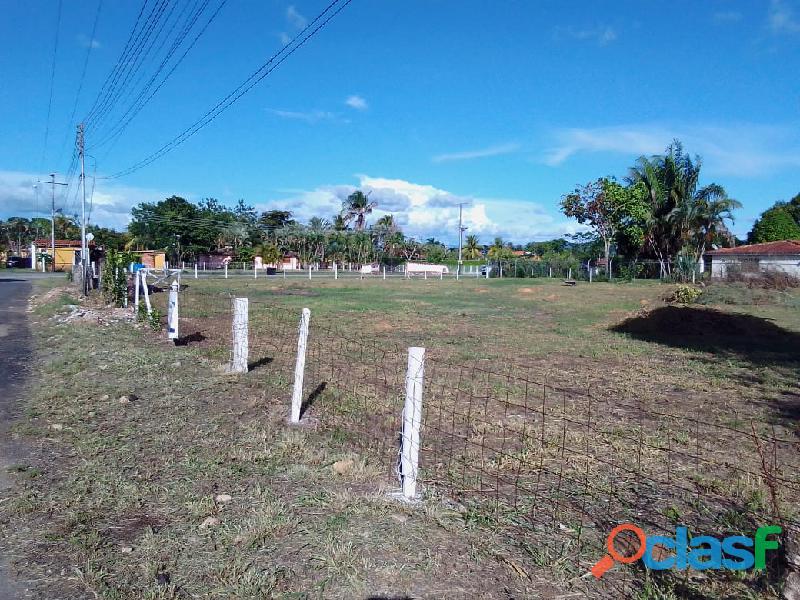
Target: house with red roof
x,y
783,256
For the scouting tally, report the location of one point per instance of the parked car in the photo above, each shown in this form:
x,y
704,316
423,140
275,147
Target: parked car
x,y
18,262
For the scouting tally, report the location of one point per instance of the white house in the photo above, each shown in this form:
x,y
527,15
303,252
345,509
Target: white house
x,y
757,258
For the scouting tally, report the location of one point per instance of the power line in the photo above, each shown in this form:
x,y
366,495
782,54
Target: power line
x,y
52,84
119,64
89,47
334,8
131,64
144,98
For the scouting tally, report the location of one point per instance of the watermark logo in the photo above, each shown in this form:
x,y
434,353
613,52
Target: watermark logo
x,y
660,552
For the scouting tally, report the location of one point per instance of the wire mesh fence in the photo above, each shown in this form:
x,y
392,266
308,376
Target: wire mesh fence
x,y
553,464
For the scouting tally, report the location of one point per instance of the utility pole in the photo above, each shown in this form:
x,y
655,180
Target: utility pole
x,y
84,262
461,230
53,184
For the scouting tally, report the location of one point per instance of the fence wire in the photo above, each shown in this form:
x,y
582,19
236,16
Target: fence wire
x,y
553,465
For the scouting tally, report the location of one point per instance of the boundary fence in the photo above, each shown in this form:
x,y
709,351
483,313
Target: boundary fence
x,y
554,465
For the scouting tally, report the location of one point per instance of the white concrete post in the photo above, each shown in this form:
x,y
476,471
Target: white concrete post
x,y
335,271
441,274
412,419
309,272
183,265
300,366
488,268
172,312
569,273
240,337
226,270
284,271
33,257
384,272
125,297
255,271
136,292
551,272
195,270
146,292
589,268
44,269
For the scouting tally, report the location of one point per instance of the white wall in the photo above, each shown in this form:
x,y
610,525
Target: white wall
x,y
788,264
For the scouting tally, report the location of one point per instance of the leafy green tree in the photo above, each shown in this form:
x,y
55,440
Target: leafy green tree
x,y
272,221
774,225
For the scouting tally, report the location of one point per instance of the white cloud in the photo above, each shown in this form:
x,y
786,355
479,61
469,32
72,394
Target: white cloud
x,y
110,205
84,41
312,116
356,102
745,150
427,211
781,17
601,34
294,18
727,16
471,154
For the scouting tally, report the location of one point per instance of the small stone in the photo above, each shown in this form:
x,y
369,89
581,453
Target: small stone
x,y
56,426
124,400
103,367
209,522
126,549
223,498
104,397
91,413
340,467
400,518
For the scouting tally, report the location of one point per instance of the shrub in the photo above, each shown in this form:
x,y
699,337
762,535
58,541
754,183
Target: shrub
x,y
686,294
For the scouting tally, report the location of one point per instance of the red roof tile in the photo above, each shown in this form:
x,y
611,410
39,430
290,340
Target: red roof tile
x,y
782,248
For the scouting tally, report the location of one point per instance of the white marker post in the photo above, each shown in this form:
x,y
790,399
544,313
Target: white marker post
x,y
136,292
195,270
384,272
240,337
172,312
255,271
226,270
300,366
412,419
146,293
309,272
335,271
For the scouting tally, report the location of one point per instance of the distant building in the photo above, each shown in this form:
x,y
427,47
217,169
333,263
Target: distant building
x,y
67,252
781,256
152,259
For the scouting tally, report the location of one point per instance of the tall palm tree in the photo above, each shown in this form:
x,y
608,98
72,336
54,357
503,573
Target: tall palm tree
x,y
683,217
472,249
356,208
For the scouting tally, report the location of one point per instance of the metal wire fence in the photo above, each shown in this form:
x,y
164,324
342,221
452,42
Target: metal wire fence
x,y
553,465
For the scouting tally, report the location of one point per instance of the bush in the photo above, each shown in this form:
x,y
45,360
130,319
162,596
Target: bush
x,y
686,294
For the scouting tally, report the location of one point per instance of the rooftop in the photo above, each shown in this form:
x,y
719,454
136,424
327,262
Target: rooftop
x,y
781,248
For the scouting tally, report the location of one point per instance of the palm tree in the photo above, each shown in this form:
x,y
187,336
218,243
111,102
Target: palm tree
x,y
683,218
318,230
356,208
472,249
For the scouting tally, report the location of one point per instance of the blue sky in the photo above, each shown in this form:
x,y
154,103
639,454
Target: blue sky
x,y
503,105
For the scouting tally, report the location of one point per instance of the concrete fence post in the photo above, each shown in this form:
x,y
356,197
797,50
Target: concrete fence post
x,y
551,272
412,420
335,271
241,348
589,268
300,366
146,291
226,270
195,270
384,272
136,292
309,271
172,312
569,273
255,271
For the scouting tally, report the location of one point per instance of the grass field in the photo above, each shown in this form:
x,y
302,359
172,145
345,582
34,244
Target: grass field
x,y
139,444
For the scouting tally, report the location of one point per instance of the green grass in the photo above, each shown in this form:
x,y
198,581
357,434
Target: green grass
x,y
115,497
